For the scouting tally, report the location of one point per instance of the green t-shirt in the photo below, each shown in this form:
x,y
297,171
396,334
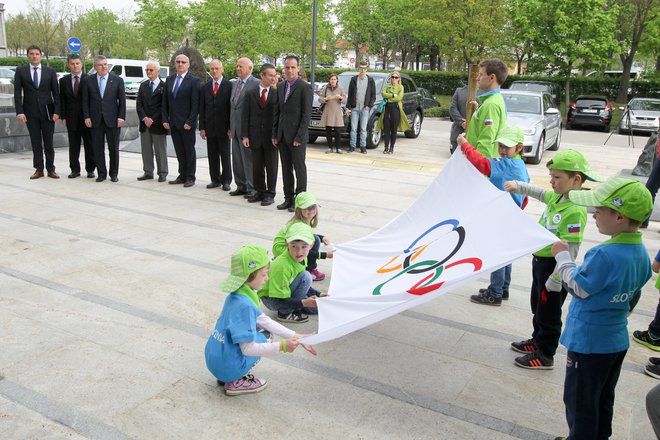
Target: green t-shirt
x,y
283,270
564,219
486,123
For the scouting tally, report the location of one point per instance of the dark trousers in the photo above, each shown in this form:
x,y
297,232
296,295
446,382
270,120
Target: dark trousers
x,y
391,121
313,253
337,135
78,137
654,327
219,151
653,183
293,159
589,394
264,169
184,146
41,137
101,134
546,306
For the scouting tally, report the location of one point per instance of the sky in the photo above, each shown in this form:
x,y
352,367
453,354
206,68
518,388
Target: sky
x,y
14,7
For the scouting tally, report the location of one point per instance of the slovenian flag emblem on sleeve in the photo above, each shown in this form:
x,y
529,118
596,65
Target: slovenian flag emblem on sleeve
x,y
488,122
574,229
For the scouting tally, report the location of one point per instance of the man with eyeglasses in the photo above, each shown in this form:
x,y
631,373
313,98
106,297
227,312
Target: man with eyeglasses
x,y
361,97
153,138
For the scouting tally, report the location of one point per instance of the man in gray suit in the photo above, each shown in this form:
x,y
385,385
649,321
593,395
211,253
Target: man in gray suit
x,y
457,112
241,156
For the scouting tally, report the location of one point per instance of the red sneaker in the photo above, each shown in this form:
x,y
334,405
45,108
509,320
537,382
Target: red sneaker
x,y
318,276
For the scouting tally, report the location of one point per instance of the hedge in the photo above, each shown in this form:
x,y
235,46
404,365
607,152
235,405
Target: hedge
x,y
59,64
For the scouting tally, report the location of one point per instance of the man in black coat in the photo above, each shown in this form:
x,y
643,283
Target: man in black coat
x,y
290,129
180,111
152,133
37,100
71,98
214,110
104,109
258,110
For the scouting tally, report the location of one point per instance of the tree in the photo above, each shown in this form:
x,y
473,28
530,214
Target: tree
x,y
18,33
355,18
99,29
162,24
46,21
129,42
519,34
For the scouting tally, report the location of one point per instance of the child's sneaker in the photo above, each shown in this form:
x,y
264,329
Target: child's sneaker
x,y
486,298
245,385
535,361
653,370
292,318
318,276
505,294
645,338
654,361
526,346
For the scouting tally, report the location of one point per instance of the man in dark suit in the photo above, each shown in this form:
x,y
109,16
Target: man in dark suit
x,y
37,101
257,125
241,156
214,109
149,107
180,110
104,109
71,98
290,129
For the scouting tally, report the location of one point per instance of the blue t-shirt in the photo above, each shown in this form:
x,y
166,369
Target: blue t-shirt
x,y
237,323
612,273
504,169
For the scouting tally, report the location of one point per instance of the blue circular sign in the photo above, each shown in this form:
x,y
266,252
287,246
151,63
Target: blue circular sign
x,y
74,44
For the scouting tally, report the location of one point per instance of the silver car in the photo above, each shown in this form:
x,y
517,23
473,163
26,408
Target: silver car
x,y
539,120
133,88
642,115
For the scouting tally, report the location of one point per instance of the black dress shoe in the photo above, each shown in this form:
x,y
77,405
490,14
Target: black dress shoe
x,y
100,179
226,187
292,208
177,181
254,198
145,177
73,175
189,183
267,201
237,192
161,178
91,175
288,203
213,185
248,195
114,179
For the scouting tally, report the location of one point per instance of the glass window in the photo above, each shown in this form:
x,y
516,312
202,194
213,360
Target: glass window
x,y
522,103
134,71
115,69
164,72
408,85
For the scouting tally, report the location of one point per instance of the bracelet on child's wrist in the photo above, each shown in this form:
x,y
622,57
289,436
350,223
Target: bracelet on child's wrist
x,y
283,345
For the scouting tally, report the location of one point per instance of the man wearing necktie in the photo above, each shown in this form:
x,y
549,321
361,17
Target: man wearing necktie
x,y
214,111
72,118
241,155
104,109
153,136
37,100
180,111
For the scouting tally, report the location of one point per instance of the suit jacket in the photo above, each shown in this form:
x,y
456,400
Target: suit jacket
x,y
183,109
214,111
71,105
33,102
150,105
291,118
369,96
237,106
110,107
257,122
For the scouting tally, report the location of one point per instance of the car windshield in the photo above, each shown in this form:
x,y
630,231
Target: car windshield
x,y
344,80
6,73
590,103
522,103
530,87
653,106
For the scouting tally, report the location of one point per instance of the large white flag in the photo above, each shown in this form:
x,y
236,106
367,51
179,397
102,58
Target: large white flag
x,y
460,228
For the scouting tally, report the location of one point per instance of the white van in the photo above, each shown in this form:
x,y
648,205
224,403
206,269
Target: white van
x,y
131,70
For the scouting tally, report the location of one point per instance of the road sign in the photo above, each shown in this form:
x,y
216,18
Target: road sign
x,y
74,44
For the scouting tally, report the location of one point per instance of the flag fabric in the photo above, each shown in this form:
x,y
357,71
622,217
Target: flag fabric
x,y
462,227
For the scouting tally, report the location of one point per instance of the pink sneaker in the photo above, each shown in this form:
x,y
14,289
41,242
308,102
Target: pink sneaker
x,y
245,385
318,276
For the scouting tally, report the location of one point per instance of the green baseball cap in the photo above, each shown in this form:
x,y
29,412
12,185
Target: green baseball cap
x,y
243,262
299,231
573,160
627,196
304,200
510,135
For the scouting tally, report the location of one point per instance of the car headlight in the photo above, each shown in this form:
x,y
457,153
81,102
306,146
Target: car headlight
x,y
530,131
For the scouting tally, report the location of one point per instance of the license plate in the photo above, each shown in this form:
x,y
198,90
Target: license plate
x,y
589,110
645,124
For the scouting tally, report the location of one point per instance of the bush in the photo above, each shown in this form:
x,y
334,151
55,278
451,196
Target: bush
x,y
436,112
58,64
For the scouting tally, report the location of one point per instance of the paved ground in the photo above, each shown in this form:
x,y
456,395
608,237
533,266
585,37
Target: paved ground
x,y
108,292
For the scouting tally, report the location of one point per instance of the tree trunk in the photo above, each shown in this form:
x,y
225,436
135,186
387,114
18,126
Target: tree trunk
x,y
356,46
417,59
433,58
404,54
657,63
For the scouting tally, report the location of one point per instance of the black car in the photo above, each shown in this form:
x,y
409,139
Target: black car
x,y
589,111
412,106
428,99
538,86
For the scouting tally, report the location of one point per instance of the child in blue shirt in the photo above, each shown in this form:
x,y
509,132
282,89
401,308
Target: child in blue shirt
x,y
237,341
651,337
604,289
509,166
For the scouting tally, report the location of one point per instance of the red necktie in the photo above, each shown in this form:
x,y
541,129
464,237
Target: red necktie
x,y
263,98
215,88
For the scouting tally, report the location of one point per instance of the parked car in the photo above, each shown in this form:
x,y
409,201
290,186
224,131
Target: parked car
x,y
539,120
589,111
428,101
412,106
538,86
641,115
131,70
133,88
6,75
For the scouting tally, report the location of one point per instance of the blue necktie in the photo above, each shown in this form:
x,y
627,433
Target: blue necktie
x,y
102,85
152,86
35,78
176,85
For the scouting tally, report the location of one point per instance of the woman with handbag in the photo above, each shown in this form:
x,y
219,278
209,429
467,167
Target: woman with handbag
x,y
331,97
392,118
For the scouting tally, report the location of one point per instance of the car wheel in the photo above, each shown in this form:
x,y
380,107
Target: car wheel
x,y
373,135
536,159
555,146
416,126
311,139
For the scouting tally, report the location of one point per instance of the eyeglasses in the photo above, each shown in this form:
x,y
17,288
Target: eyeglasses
x,y
151,70
363,68
395,77
181,62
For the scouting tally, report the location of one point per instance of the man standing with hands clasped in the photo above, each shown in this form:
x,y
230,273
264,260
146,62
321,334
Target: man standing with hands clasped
x,y
152,133
361,97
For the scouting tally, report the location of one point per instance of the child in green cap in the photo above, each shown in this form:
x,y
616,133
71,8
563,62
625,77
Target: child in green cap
x,y
509,166
568,171
307,212
604,288
237,341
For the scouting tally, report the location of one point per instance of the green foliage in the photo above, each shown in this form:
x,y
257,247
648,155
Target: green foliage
x,y
99,28
162,24
58,64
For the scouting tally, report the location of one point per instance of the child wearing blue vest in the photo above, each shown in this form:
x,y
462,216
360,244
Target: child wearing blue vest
x,y
604,289
238,341
651,337
509,166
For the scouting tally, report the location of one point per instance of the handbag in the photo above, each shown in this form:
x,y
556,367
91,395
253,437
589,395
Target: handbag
x,y
382,105
325,94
